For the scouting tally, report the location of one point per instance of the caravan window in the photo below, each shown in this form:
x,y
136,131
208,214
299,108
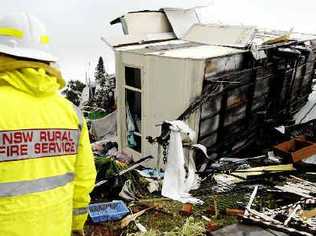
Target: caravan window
x,y
133,106
133,103
133,77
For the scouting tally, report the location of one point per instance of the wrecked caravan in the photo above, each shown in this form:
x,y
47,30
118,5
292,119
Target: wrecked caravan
x,y
223,80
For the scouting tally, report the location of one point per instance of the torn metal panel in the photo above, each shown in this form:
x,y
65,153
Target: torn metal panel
x,y
221,35
144,22
149,23
181,20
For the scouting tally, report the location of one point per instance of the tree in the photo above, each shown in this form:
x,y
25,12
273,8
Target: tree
x,y
100,74
104,96
73,91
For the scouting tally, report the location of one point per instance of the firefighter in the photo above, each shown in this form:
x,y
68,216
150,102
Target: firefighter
x,y
46,165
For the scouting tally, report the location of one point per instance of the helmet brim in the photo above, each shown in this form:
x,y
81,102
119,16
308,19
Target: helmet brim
x,y
28,53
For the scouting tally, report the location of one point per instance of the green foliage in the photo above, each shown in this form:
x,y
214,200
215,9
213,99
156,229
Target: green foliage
x,y
190,228
73,91
100,74
148,233
104,95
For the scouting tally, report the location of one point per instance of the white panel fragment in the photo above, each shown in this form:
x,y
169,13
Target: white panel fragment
x,y
181,20
221,35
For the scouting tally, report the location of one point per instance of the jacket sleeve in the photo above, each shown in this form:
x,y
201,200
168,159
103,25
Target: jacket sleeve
x,y
85,175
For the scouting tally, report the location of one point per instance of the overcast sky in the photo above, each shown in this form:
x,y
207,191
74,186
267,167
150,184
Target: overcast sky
x,y
76,26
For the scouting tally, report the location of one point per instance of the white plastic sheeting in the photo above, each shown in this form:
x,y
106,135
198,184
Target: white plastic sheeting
x,y
177,183
105,127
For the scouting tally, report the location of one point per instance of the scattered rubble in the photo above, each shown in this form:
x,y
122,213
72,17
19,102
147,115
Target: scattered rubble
x,y
240,155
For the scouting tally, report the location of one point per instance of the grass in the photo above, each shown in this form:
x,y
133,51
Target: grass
x,y
191,227
167,222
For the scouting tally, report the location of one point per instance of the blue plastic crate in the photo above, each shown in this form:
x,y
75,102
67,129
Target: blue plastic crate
x,y
108,211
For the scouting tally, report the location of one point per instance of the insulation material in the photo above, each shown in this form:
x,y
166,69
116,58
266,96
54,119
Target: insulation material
x,y
176,185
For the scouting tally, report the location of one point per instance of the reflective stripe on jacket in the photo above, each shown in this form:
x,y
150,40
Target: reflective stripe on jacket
x,y
46,165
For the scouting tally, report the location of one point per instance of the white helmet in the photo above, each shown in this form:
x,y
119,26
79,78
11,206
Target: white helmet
x,y
22,35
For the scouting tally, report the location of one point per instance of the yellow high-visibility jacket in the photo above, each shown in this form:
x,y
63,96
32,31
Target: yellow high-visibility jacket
x,y
46,165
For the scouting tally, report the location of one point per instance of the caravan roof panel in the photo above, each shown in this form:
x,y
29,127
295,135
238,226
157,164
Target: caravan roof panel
x,y
181,20
221,35
198,52
147,23
181,49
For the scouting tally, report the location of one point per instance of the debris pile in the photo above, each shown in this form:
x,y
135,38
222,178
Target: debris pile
x,y
283,199
297,218
229,139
